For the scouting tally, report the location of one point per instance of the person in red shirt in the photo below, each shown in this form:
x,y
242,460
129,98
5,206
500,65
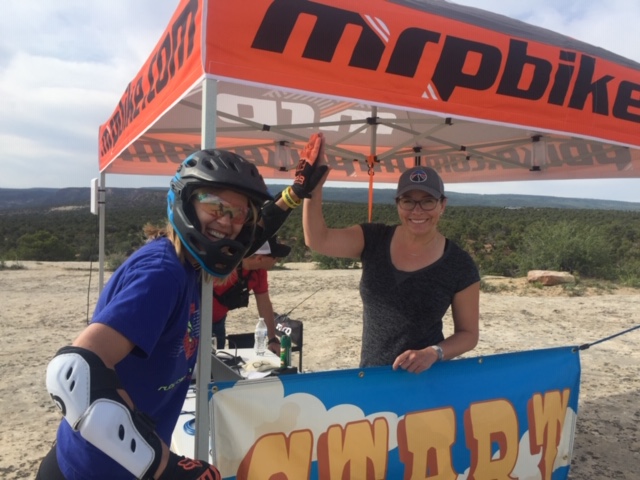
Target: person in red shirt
x,y
233,292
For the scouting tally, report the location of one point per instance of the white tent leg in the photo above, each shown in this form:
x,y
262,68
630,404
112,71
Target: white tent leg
x,y
203,372
101,229
374,132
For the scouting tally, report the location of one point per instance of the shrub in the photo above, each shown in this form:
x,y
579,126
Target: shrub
x,y
329,263
567,246
13,266
629,274
488,287
44,246
113,261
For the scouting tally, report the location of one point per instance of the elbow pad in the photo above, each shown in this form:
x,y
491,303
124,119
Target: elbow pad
x,y
84,390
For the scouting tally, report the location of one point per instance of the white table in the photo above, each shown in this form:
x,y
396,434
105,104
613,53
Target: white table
x,y
183,437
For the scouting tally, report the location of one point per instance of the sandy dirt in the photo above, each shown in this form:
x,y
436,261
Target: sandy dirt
x,y
45,306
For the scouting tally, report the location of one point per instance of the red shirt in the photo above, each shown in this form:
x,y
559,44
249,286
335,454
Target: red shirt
x,y
257,282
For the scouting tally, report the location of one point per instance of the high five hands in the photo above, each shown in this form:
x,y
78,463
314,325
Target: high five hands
x,y
309,172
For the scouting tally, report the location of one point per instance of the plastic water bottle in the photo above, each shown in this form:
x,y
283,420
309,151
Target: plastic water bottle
x,y
260,344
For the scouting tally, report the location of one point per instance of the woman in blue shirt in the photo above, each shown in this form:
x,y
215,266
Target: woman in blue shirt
x,y
123,381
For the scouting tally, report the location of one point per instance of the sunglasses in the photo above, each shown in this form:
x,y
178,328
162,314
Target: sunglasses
x,y
218,208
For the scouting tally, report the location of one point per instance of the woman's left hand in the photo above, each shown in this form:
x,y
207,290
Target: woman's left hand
x,y
416,361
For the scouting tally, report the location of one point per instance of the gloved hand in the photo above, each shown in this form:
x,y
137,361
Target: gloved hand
x,y
183,468
308,172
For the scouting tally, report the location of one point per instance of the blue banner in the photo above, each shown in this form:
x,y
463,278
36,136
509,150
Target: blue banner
x,y
496,417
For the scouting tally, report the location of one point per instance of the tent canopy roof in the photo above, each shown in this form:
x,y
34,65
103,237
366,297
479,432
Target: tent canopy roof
x,y
477,95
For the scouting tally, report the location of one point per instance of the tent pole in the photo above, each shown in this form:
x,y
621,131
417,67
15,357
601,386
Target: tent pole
x,y
101,229
203,367
373,123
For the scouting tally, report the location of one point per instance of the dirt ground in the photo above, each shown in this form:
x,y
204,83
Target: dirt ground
x,y
45,306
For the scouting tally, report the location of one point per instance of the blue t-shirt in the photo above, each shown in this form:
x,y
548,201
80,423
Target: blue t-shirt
x,y
154,301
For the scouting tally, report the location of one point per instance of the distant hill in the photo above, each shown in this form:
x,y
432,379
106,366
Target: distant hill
x,y
39,198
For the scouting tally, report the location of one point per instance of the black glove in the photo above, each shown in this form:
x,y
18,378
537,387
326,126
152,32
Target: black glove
x,y
183,468
308,172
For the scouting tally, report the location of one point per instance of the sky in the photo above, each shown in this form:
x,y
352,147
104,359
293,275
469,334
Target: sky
x,y
64,65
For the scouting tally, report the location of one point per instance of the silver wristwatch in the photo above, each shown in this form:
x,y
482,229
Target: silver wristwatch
x,y
439,351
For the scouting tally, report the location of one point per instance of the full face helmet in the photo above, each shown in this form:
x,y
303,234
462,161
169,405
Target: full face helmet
x,y
221,169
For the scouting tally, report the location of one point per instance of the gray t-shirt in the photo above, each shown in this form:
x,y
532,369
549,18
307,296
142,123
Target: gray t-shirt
x,y
404,310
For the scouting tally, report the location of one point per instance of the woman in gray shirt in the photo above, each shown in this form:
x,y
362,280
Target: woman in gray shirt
x,y
411,275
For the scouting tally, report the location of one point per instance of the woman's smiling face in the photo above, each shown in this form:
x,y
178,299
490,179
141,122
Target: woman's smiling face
x,y
418,220
221,213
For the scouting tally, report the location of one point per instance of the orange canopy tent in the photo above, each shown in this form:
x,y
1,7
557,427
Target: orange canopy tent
x,y
391,83
476,95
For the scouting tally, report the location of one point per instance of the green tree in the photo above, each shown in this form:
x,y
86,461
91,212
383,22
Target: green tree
x,y
601,244
43,245
567,246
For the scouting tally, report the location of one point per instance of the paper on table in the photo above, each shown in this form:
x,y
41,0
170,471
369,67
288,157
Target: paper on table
x,y
257,375
261,364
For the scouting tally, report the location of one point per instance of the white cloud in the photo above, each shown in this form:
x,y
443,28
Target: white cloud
x,y
63,68
300,411
605,24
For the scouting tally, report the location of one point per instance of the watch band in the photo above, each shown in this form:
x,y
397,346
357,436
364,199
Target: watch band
x,y
274,340
439,352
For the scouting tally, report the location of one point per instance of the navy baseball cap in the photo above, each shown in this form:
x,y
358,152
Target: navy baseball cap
x,y
425,179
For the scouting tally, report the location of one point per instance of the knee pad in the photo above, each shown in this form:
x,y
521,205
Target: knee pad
x,y
84,390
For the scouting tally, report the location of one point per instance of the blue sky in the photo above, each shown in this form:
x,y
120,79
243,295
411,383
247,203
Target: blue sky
x,y
65,63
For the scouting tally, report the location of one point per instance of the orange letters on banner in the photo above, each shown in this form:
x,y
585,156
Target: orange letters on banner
x,y
425,438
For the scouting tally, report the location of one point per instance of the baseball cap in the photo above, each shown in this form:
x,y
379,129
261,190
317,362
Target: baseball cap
x,y
273,248
425,179
263,250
